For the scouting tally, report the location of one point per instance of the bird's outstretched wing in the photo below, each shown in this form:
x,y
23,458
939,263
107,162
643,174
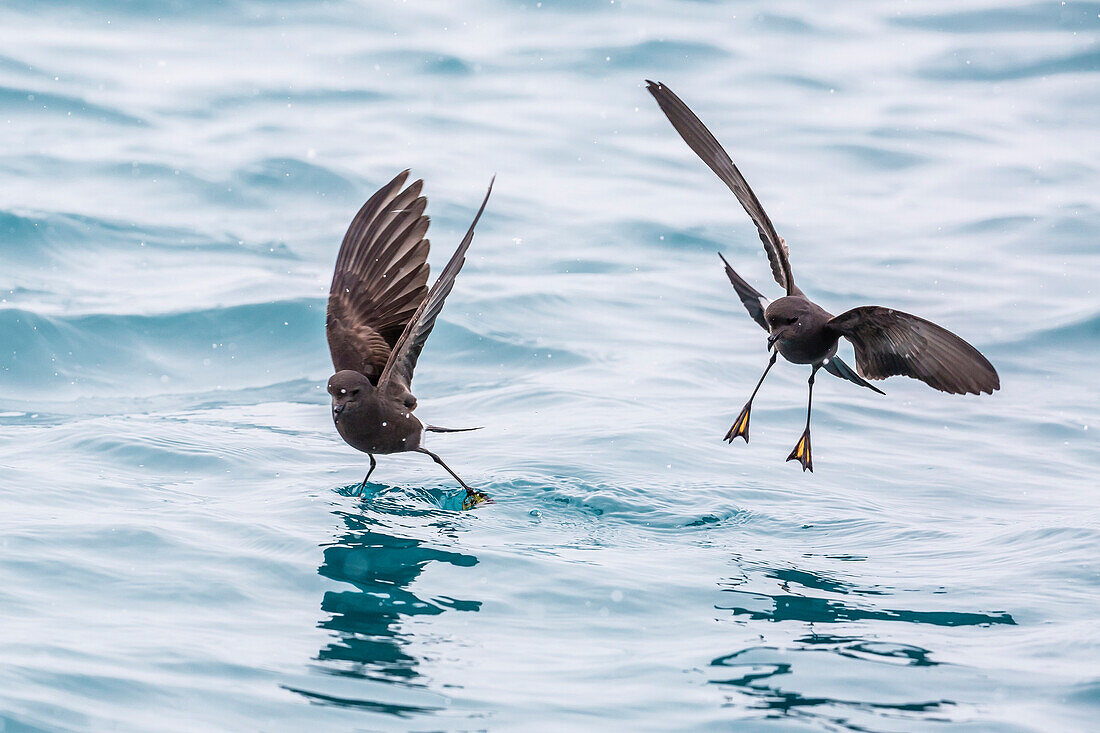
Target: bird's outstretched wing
x,y
399,369
380,278
700,139
754,302
889,342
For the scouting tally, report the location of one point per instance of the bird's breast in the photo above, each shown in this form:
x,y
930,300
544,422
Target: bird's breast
x,y
808,349
380,429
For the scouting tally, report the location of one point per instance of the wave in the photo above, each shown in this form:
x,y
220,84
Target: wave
x,y
657,54
51,237
1075,335
229,348
297,177
987,64
34,102
283,97
878,157
1066,16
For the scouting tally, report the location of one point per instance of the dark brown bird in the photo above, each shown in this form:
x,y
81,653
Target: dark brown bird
x,y
380,313
887,342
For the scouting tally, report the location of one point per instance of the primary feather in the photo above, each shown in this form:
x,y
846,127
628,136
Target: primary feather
x,y
402,361
888,342
707,147
380,278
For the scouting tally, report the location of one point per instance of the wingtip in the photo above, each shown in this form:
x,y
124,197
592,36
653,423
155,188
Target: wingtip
x,y
399,179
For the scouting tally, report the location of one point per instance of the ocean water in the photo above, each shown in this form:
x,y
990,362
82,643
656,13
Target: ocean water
x,y
180,546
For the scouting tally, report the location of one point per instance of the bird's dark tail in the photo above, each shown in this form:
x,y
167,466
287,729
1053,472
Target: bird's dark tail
x,y
839,369
437,429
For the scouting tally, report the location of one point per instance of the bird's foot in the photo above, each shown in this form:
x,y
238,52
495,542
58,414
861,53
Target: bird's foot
x,y
740,427
801,452
474,498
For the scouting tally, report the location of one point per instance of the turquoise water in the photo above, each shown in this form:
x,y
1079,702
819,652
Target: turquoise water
x,y
179,546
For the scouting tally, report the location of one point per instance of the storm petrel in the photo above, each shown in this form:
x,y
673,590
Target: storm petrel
x,y
887,342
380,313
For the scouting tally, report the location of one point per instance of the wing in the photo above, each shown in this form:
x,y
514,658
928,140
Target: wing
x,y
754,302
380,278
399,369
699,139
890,342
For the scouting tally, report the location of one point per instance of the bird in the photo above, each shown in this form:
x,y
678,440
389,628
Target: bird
x,y
380,312
887,342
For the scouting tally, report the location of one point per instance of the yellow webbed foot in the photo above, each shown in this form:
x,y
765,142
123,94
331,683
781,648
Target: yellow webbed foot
x,y
801,452
740,427
475,498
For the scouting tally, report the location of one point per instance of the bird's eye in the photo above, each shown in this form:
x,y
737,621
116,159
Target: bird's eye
x,y
343,391
355,392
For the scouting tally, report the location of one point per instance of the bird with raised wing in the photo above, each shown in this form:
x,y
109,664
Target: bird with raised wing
x,y
380,313
887,342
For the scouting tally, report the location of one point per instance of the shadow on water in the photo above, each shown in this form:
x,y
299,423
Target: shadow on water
x,y
370,645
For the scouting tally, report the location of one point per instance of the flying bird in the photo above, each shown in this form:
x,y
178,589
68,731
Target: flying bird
x,y
380,313
887,342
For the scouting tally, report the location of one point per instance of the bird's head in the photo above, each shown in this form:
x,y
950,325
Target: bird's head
x,y
347,389
787,318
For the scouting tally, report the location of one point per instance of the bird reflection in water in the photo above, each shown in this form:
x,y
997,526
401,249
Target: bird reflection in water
x,y
369,641
786,680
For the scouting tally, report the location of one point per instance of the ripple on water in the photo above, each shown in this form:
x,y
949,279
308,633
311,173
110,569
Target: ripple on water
x,y
295,177
1025,17
34,103
995,64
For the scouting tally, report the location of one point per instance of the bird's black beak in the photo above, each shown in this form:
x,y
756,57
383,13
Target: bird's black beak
x,y
336,410
772,339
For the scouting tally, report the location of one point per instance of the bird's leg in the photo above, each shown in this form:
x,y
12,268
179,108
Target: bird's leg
x,y
473,496
801,452
740,427
373,465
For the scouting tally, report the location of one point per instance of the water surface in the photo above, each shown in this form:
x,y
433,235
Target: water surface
x,y
180,548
